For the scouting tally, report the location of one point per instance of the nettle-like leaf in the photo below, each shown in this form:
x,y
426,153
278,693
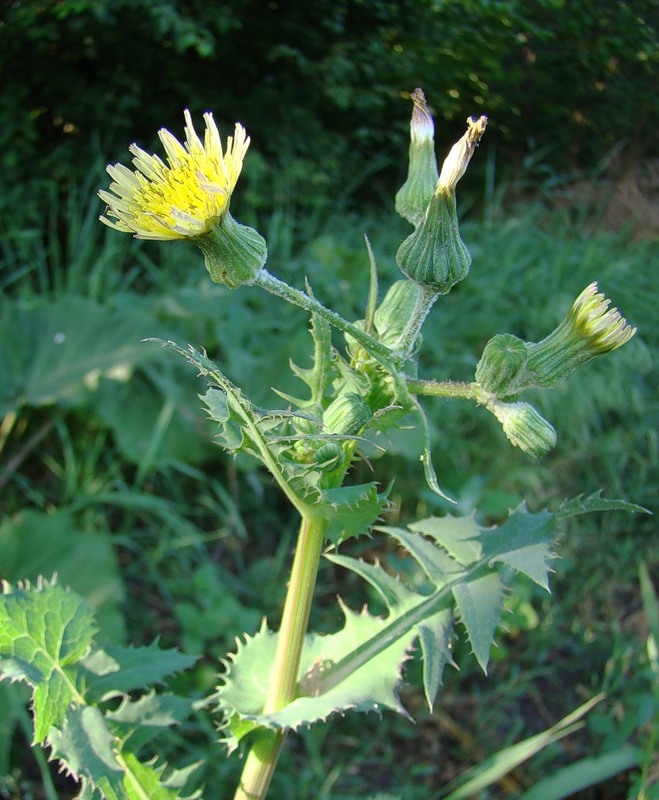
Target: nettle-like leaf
x,y
44,631
359,668
47,642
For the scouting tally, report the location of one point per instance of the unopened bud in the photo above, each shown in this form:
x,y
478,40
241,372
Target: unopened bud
x,y
395,311
435,255
525,427
503,358
414,195
347,414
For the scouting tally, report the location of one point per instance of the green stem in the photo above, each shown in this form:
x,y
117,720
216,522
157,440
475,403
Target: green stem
x,y
262,759
273,285
451,389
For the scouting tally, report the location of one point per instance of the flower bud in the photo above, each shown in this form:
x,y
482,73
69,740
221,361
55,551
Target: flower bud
x,y
395,311
414,195
524,427
435,255
588,330
503,358
347,414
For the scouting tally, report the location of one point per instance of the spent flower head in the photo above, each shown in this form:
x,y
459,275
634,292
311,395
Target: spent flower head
x,y
188,197
434,255
414,195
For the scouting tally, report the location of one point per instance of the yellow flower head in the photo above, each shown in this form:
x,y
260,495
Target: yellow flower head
x,y
183,198
590,329
604,328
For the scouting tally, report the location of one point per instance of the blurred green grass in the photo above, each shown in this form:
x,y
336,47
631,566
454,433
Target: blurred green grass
x,y
111,437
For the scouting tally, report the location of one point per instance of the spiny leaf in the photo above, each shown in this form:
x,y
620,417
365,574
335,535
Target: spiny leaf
x,y
372,687
142,781
320,375
479,602
351,510
117,670
139,721
459,536
523,542
435,635
86,747
43,631
595,502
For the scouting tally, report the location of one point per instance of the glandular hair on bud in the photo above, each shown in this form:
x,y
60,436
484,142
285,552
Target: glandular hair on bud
x,y
502,361
347,414
234,254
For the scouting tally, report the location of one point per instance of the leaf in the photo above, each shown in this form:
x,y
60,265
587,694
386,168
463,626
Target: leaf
x,y
435,635
351,510
86,747
524,543
117,670
371,687
137,722
141,781
459,536
56,352
43,630
595,502
479,603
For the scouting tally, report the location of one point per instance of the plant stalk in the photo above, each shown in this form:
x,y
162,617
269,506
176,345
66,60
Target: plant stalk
x,y
262,759
273,285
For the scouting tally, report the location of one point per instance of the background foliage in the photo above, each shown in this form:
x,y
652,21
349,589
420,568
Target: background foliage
x,y
321,89
108,462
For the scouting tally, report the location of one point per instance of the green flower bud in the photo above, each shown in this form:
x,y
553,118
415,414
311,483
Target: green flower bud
x,y
347,414
414,195
393,314
503,358
435,255
589,329
234,254
524,427
329,454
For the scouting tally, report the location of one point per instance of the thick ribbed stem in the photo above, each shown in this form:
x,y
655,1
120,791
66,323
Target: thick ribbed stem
x,y
262,759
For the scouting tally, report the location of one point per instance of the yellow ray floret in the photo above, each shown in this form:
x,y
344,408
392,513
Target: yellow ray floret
x,y
183,197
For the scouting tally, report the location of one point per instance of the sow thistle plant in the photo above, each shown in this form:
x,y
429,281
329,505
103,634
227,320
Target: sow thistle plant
x,y
89,703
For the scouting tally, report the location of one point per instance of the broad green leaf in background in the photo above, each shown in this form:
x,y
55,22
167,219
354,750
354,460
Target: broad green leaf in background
x,y
56,352
34,543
